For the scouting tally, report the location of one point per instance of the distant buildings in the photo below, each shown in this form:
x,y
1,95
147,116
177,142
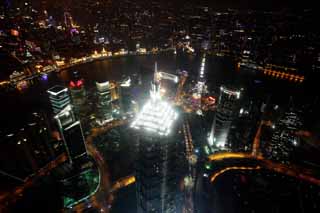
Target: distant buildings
x,y
226,111
155,169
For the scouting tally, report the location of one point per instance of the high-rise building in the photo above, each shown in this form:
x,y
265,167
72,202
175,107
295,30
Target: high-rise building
x,y
78,93
284,138
104,102
155,168
59,98
226,112
71,133
243,128
125,96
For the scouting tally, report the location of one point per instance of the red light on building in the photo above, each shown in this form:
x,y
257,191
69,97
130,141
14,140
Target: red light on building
x,y
79,83
211,100
72,84
14,32
76,84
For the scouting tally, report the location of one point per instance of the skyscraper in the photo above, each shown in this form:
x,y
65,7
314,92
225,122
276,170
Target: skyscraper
x,y
104,102
77,90
284,138
59,98
155,169
226,111
125,96
71,133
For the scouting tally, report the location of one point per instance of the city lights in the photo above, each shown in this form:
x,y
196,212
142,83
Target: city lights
x,y
231,114
155,116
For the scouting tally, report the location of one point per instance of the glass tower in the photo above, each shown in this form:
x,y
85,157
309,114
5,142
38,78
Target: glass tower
x,y
104,102
59,98
226,111
155,167
72,134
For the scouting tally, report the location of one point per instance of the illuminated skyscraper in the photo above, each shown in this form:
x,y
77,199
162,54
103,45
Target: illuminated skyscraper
x,y
125,96
104,102
226,111
77,90
284,138
155,168
59,98
71,133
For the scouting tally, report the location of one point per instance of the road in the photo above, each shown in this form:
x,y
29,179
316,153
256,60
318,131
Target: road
x,y
122,182
256,142
13,196
214,177
292,170
188,190
102,198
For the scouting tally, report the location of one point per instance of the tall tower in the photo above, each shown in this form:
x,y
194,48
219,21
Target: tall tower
x,y
226,111
125,96
69,127
77,90
59,98
284,138
104,102
72,134
155,169
68,21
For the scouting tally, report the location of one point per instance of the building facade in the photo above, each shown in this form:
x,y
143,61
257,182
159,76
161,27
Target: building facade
x,y
104,105
59,98
71,133
155,167
284,138
227,110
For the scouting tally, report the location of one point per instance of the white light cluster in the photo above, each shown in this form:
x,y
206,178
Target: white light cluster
x,y
50,91
168,76
156,116
202,67
64,112
230,92
103,86
126,83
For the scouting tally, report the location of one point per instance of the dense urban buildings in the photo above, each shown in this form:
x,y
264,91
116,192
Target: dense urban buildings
x,y
231,123
284,137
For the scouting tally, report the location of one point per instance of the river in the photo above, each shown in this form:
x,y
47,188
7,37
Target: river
x,y
15,106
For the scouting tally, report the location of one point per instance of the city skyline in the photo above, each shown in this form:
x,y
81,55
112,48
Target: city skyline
x,y
155,106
